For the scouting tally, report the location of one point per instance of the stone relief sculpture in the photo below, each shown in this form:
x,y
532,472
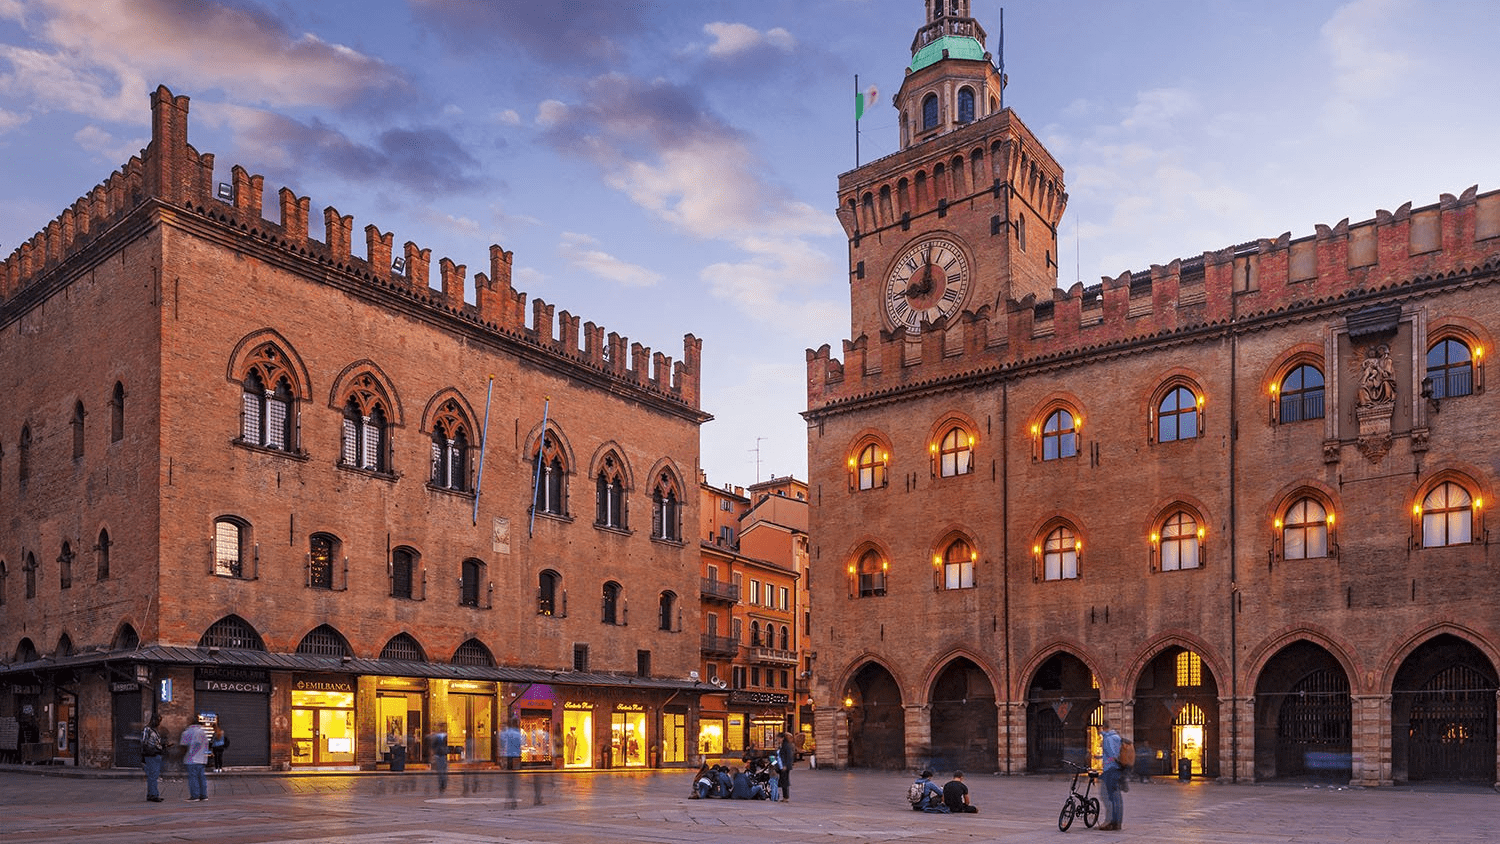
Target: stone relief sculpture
x,y
1377,376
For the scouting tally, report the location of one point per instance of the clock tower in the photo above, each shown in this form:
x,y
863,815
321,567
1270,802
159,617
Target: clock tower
x,y
965,215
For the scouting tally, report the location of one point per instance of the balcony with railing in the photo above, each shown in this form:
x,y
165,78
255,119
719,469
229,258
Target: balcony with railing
x,y
773,656
720,590
720,645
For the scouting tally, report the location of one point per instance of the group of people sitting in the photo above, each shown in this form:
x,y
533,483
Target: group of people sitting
x,y
759,779
924,795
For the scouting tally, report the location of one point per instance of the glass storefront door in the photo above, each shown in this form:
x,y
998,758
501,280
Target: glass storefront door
x,y
536,738
627,738
400,723
673,738
322,728
471,726
578,738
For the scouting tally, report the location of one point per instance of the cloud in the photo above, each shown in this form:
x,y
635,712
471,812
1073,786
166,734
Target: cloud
x,y
1367,69
100,57
731,39
588,34
10,120
106,147
426,160
578,250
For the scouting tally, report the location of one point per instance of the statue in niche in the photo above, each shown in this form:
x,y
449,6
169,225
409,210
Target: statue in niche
x,y
1377,382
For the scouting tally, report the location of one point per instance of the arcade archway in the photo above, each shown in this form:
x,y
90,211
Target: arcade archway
x,y
1060,701
877,720
1303,716
965,721
1443,714
1177,714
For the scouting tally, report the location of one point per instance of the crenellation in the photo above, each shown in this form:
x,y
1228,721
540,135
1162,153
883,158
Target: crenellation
x,y
339,234
452,276
418,264
295,211
171,171
1252,279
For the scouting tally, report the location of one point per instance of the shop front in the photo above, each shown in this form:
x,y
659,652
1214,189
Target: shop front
x,y
578,734
627,736
531,705
238,700
322,722
400,704
471,721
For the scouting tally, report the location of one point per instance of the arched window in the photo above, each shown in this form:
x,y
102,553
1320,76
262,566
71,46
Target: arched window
x,y
323,640
1059,435
548,585
609,495
755,634
1060,555
77,430
1302,394
1021,232
1304,530
231,631
666,511
268,409
117,413
610,603
871,571
450,449
320,556
965,105
929,112
1451,368
958,565
403,647
870,467
473,652
65,567
101,554
956,453
403,568
667,617
229,547
1447,516
29,567
1180,542
364,439
1177,416
550,478
785,637
470,577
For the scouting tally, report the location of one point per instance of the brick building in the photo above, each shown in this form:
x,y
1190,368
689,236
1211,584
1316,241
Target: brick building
x,y
247,474
1235,504
754,545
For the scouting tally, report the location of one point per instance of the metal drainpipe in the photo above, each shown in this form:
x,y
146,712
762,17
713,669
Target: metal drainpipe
x,y
1005,563
1234,659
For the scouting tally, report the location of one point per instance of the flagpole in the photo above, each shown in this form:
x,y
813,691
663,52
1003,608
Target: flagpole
x,y
541,450
1002,58
484,438
856,121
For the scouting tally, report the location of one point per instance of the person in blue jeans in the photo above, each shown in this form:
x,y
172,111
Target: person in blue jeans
x,y
152,746
1114,773
195,742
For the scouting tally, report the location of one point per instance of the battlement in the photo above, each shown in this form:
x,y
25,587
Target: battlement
x,y
170,172
1458,236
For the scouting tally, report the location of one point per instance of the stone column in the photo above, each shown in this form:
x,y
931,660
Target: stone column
x,y
918,721
1012,737
1371,739
1237,746
831,726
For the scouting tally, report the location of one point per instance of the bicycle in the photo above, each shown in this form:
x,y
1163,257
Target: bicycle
x,y
1080,803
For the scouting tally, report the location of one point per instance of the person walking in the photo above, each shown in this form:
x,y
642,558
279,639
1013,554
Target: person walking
x,y
1114,774
786,754
152,747
195,742
510,751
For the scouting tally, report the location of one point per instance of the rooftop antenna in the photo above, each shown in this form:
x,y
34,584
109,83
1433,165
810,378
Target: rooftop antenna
x,y
757,457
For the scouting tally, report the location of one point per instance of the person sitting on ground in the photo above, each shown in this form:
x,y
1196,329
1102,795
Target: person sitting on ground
x,y
723,783
956,795
925,796
741,790
703,781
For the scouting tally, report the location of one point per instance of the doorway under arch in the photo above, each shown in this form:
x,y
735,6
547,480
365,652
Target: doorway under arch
x,y
1177,714
1304,716
1060,702
1443,714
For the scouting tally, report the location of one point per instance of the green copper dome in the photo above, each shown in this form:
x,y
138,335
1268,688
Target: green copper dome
x,y
958,47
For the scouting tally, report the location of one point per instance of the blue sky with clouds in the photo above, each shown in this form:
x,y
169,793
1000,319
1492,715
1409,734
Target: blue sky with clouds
x,y
669,167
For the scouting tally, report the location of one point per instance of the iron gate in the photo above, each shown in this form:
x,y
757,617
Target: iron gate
x,y
1314,727
1453,727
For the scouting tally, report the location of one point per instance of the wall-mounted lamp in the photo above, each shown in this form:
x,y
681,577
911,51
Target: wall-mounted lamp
x,y
1432,403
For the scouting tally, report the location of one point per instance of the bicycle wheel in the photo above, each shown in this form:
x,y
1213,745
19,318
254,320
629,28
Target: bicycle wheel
x,y
1065,819
1091,812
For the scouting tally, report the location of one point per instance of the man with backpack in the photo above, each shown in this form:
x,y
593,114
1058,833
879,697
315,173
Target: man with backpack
x,y
1118,754
152,747
925,796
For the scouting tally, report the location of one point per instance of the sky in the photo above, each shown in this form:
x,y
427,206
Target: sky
x,y
669,167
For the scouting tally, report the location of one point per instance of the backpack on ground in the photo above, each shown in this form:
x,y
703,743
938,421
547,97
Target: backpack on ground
x,y
1126,757
915,792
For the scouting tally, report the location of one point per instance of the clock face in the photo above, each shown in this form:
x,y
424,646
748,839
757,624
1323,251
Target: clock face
x,y
929,281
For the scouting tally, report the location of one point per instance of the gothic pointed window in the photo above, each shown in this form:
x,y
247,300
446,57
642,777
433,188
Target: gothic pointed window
x,y
268,403
65,567
609,495
117,413
550,478
101,555
450,448
364,435
665,510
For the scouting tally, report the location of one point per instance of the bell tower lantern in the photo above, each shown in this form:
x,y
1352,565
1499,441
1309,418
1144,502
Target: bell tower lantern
x,y
951,81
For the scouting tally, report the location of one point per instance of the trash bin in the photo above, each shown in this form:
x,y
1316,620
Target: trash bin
x,y
398,757
1184,770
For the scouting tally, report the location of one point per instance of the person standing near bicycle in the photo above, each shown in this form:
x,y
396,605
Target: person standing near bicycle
x,y
1114,774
